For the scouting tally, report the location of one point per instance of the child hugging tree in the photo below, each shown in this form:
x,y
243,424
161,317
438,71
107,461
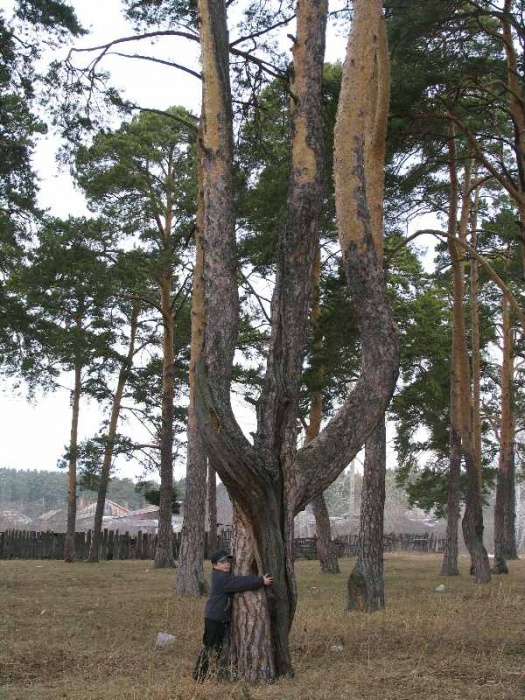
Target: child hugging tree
x,y
218,608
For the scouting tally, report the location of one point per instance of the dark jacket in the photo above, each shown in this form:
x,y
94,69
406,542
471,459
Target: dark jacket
x,y
223,585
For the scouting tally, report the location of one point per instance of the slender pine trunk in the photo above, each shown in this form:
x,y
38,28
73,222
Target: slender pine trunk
x,y
326,549
69,544
164,550
190,573
505,507
449,565
110,440
366,586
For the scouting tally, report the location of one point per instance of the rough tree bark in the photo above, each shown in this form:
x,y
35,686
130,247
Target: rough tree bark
x,y
190,574
326,548
366,588
366,582
110,438
271,480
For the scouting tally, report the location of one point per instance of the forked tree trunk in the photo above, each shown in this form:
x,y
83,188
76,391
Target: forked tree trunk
x,y
271,481
69,544
190,573
505,508
110,440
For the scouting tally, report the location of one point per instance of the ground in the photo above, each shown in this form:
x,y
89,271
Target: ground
x,y
87,632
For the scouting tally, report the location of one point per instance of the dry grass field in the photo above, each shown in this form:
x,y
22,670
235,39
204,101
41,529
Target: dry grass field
x,y
87,632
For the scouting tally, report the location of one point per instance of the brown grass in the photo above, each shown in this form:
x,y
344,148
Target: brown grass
x,y
87,632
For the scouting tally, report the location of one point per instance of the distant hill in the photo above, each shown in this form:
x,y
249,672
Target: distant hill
x,y
24,487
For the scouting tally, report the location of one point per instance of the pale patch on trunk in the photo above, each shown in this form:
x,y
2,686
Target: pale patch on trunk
x,y
305,160
356,142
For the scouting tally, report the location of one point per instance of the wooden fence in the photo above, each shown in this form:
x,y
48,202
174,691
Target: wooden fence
x,y
25,544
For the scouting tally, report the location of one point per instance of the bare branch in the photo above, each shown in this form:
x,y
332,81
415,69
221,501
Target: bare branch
x,y
163,62
255,35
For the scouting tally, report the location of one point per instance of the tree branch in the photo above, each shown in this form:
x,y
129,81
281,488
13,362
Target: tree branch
x,y
480,258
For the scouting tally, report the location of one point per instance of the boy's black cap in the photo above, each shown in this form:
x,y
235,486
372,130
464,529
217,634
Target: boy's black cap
x,y
221,555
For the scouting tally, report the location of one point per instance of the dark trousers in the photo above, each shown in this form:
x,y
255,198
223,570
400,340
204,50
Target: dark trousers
x,y
215,634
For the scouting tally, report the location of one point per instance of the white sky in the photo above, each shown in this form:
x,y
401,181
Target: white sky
x,y
36,434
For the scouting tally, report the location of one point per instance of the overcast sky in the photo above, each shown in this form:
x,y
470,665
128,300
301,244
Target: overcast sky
x,y
36,433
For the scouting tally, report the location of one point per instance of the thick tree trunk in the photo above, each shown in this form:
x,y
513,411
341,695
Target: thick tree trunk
x,y
369,567
110,440
271,481
190,574
505,508
251,654
366,587
69,545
